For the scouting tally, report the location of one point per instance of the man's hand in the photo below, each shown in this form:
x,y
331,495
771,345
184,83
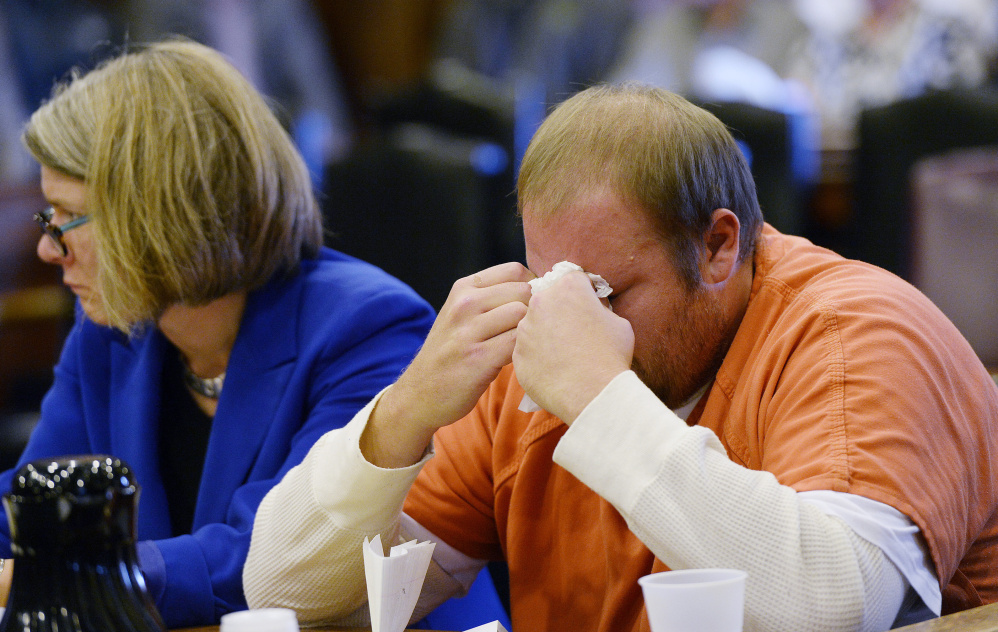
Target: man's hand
x,y
569,346
470,341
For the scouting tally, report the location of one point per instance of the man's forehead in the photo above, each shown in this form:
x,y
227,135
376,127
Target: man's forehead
x,y
600,243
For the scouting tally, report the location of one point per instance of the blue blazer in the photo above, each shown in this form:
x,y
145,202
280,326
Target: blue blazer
x,y
311,351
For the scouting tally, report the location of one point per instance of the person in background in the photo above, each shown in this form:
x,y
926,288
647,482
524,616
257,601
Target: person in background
x,y
731,50
281,47
215,338
858,54
546,48
750,401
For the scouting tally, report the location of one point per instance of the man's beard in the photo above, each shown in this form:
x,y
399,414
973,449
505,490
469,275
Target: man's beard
x,y
688,349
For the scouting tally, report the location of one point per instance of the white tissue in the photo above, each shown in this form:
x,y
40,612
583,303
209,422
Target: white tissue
x,y
394,582
559,270
562,268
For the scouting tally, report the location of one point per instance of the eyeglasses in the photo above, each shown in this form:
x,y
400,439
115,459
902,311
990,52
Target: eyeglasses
x,y
55,233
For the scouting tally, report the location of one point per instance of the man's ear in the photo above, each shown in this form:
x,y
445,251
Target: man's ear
x,y
721,244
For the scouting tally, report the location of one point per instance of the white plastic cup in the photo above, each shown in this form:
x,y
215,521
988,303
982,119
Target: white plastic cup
x,y
695,600
260,620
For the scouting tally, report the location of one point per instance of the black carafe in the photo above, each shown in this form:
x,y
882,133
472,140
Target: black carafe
x,y
73,525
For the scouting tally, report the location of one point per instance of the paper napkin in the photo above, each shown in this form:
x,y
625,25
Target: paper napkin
x,y
394,582
495,626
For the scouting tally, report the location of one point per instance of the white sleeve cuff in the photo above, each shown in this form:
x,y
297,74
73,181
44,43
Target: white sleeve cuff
x,y
345,483
889,530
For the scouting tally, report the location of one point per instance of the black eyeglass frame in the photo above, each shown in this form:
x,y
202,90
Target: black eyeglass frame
x,y
44,220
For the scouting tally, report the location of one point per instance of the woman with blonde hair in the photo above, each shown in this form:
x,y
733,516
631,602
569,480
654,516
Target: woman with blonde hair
x,y
216,339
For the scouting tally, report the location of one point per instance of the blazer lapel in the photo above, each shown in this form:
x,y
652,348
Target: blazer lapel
x,y
260,366
136,371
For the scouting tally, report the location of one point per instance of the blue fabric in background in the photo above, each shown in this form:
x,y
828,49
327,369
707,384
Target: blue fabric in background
x,y
481,605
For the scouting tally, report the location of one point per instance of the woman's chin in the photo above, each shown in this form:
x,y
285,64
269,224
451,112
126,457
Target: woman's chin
x,y
94,311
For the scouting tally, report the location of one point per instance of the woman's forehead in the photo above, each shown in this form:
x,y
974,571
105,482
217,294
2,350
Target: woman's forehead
x,y
63,191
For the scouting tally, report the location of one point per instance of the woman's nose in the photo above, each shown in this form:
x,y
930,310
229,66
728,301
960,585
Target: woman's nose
x,y
47,251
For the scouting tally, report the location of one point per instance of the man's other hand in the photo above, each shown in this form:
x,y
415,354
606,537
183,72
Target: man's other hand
x,y
470,341
569,346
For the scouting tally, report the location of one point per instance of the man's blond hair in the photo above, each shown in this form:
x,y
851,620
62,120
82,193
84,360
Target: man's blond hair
x,y
677,161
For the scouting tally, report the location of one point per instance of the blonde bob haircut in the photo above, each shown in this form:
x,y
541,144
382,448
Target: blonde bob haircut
x,y
194,188
677,161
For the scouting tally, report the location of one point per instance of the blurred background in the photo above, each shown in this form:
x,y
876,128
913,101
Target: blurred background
x,y
871,127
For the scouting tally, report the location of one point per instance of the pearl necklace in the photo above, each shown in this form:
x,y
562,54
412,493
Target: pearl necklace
x,y
210,387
